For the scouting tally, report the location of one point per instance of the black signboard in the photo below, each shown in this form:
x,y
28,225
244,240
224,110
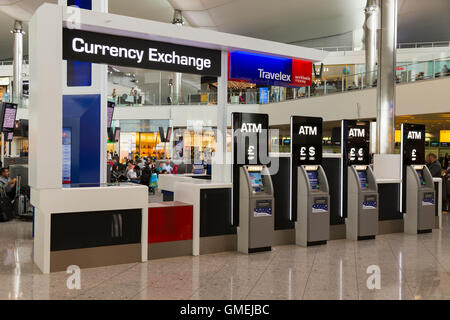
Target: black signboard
x,y
250,138
306,140
413,151
250,146
413,144
104,48
355,136
356,142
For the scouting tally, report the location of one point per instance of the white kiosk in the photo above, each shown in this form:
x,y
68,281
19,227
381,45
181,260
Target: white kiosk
x,y
68,99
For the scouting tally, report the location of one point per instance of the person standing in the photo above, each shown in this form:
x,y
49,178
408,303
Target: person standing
x,y
434,165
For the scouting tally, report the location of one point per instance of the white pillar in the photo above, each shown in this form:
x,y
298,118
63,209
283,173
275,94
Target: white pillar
x,y
17,61
370,39
221,171
386,77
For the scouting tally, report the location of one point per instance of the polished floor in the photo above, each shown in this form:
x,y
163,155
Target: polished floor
x,y
412,267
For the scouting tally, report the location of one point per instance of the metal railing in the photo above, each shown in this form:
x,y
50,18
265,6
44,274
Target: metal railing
x,y
408,45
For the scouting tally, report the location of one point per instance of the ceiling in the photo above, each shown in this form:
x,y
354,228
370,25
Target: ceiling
x,y
287,21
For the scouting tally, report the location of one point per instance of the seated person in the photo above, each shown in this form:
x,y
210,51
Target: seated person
x,y
7,184
132,175
160,168
167,167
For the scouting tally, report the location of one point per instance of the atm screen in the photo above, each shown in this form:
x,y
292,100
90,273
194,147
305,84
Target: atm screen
x,y
256,181
420,174
362,175
313,179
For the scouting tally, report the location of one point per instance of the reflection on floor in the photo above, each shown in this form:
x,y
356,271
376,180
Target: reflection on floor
x,y
412,267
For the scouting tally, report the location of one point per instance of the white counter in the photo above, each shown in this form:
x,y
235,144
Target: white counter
x,y
189,192
87,199
167,181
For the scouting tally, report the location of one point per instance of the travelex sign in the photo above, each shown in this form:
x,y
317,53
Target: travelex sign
x,y
132,52
268,70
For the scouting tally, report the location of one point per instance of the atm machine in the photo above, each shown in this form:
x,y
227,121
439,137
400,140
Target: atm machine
x,y
420,206
362,203
256,208
313,215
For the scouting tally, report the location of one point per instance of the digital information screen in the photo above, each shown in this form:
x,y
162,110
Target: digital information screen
x,y
362,175
420,174
117,135
256,181
110,113
10,135
66,154
9,118
313,179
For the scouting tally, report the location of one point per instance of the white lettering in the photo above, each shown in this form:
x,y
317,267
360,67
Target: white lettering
x,y
74,44
308,130
251,127
414,135
152,54
271,76
357,132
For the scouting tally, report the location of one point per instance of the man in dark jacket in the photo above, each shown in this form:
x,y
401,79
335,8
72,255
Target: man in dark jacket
x,y
434,165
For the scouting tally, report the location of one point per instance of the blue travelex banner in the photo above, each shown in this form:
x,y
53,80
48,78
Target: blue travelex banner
x,y
269,70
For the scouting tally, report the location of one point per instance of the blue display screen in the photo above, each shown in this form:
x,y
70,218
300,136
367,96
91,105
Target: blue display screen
x,y
313,179
362,175
256,181
420,174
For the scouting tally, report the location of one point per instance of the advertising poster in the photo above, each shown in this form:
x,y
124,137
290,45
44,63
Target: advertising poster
x,y
269,70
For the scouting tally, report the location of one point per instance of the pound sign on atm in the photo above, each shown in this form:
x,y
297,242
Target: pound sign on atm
x,y
302,153
352,154
413,155
251,153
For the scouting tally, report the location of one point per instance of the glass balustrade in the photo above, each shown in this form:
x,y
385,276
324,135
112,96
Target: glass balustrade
x,y
139,87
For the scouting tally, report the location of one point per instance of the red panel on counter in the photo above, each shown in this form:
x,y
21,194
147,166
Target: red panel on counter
x,y
169,221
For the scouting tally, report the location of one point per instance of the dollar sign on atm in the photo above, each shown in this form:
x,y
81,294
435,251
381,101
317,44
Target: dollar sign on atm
x,y
312,153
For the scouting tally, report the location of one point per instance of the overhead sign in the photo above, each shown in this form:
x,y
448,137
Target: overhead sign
x,y
133,52
268,70
306,140
444,136
413,144
356,140
250,138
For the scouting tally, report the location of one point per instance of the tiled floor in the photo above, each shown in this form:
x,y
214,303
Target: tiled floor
x,y
412,267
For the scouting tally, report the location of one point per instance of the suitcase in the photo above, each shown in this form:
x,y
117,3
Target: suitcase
x,y
22,205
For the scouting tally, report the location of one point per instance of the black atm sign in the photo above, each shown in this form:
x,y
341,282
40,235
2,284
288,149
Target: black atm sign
x,y
306,140
413,144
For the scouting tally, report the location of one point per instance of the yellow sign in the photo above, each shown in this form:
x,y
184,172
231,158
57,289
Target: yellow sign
x,y
445,136
398,135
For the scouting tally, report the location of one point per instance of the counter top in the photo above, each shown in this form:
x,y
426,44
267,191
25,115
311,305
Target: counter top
x,y
388,181
204,184
168,204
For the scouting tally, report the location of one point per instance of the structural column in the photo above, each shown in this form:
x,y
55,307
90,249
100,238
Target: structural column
x,y
370,39
386,77
221,171
176,94
18,60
